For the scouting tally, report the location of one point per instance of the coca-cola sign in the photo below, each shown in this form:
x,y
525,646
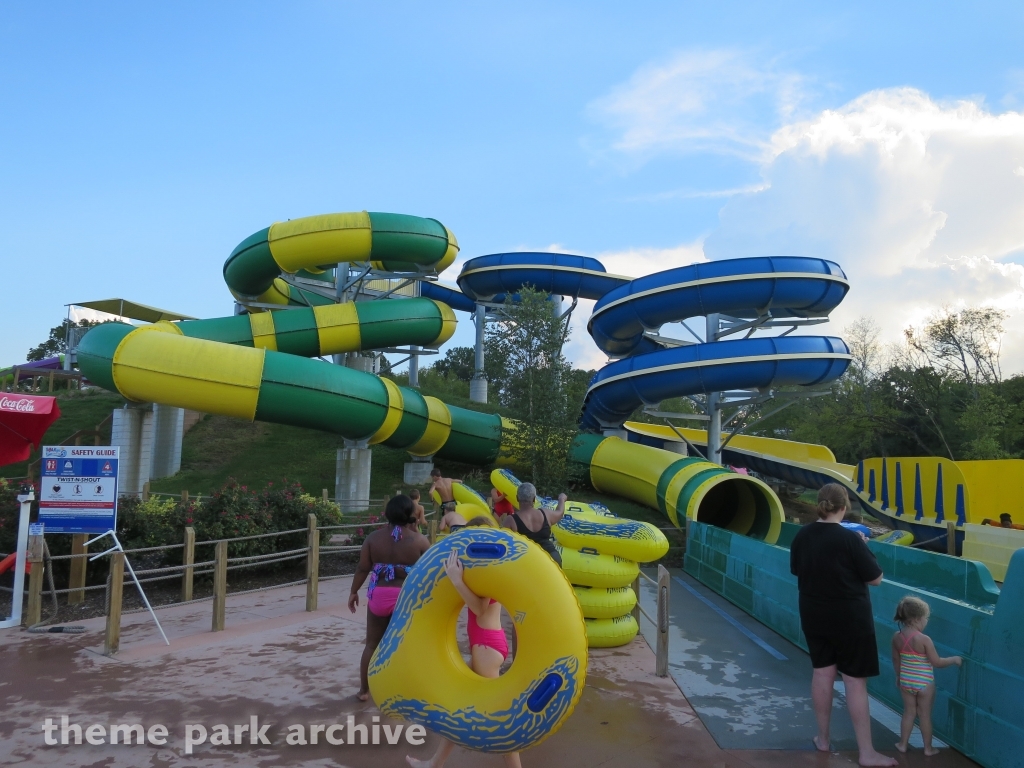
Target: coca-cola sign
x,y
18,404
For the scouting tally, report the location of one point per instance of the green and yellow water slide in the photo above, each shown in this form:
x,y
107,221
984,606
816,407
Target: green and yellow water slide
x,y
262,365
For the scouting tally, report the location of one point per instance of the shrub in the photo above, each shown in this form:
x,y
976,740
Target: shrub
x,y
233,511
9,512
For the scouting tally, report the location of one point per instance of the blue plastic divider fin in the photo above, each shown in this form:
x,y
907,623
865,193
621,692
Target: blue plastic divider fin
x,y
885,484
899,490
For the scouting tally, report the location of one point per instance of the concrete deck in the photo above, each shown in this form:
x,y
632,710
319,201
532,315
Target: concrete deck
x,y
284,666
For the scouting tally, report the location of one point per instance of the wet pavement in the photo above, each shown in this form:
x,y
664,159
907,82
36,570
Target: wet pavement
x,y
286,667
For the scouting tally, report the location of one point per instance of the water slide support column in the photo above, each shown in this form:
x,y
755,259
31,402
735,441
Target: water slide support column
x,y
354,460
714,401
478,384
414,366
352,478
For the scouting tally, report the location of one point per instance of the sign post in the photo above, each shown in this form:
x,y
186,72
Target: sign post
x,y
78,489
25,499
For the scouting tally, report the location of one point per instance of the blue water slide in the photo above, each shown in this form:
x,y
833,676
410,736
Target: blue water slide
x,y
487,278
784,286
621,387
453,298
769,287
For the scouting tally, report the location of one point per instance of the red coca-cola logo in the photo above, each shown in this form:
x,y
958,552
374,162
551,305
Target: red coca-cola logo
x,y
21,405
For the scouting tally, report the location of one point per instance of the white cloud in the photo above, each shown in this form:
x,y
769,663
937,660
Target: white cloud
x,y
920,201
711,100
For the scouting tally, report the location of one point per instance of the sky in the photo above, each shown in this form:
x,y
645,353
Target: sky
x,y
140,143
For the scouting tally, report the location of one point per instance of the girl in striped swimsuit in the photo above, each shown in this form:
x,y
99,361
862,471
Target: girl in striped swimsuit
x,y
914,659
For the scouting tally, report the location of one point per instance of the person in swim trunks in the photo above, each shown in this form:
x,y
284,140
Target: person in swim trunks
x,y
443,486
488,646
535,524
452,521
384,561
834,569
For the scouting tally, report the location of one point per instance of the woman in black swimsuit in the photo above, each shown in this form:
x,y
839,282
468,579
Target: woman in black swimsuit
x,y
535,524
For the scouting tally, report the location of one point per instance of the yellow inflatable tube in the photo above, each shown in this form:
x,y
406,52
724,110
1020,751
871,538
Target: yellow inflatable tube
x,y
594,526
418,674
630,539
600,603
611,633
588,568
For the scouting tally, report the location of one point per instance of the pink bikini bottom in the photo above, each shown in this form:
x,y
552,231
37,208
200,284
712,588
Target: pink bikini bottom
x,y
382,601
492,638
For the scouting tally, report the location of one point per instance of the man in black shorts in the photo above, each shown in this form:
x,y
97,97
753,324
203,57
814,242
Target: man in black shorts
x,y
834,568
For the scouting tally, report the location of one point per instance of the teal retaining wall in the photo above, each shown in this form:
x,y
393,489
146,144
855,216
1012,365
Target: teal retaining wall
x,y
979,708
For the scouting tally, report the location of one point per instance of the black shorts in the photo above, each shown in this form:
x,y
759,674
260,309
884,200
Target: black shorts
x,y
856,656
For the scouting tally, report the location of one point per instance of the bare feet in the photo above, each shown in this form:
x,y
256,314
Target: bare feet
x,y
877,760
901,747
417,763
930,751
363,695
818,741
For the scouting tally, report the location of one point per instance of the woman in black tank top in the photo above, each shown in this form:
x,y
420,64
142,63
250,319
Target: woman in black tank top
x,y
526,494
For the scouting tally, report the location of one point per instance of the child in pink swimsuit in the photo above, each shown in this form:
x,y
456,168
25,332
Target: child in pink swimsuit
x,y
488,645
914,660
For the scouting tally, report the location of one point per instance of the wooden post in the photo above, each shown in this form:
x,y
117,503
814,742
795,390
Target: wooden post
x,y
220,584
661,661
432,529
112,638
35,593
34,557
78,566
951,538
51,382
187,559
636,591
145,491
184,496
326,497
312,564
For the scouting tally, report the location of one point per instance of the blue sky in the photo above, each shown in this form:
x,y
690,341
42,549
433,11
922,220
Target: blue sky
x,y
141,144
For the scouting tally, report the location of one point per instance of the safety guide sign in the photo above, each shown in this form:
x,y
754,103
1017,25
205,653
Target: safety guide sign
x,y
79,489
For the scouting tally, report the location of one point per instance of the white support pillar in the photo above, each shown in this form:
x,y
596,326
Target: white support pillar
x,y
168,430
126,433
417,471
478,384
714,401
352,476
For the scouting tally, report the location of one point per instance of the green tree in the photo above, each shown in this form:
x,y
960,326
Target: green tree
x,y
57,343
538,388
458,362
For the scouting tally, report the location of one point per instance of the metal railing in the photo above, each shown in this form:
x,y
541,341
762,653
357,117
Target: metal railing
x,y
661,620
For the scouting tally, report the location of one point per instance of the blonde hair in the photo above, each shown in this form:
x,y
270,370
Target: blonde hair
x,y
482,520
831,498
911,609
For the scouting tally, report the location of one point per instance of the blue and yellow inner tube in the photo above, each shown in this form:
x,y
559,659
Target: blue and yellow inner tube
x,y
418,674
630,539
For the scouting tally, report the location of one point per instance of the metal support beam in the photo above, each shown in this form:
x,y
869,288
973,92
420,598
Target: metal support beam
x,y
714,400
